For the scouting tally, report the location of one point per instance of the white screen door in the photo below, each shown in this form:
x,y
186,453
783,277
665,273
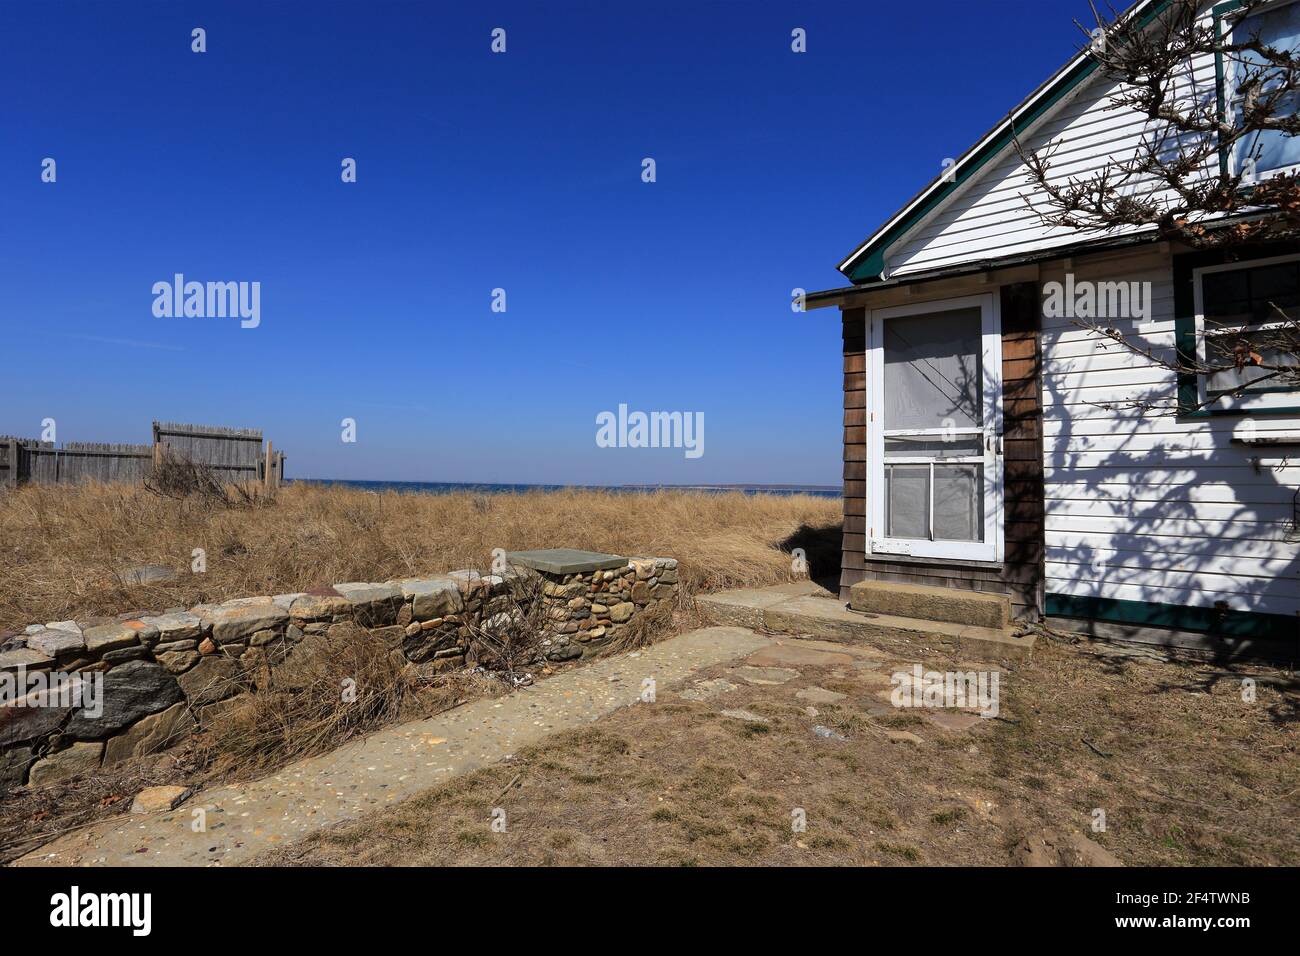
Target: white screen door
x,y
934,394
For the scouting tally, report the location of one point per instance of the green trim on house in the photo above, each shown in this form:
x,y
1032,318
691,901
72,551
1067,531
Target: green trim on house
x,y
1268,390
1185,323
1252,412
1228,624
1220,80
874,262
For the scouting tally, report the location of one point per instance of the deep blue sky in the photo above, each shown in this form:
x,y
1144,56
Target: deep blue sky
x,y
475,171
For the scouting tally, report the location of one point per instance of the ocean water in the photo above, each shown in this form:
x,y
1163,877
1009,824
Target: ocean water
x,y
444,487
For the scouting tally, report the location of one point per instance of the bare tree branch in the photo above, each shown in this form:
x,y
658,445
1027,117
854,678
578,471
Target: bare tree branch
x,y
1192,177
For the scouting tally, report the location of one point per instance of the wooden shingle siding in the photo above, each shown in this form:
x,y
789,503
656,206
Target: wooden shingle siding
x,y
1020,575
1022,447
853,547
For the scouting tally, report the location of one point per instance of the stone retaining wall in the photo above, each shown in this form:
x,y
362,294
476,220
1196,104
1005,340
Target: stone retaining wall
x,y
159,671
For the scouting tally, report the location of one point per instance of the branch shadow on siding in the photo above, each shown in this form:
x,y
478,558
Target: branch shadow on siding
x,y
1206,560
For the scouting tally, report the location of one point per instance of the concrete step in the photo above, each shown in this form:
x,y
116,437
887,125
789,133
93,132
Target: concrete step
x,y
953,605
784,610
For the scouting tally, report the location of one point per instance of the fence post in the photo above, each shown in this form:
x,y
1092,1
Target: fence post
x,y
267,480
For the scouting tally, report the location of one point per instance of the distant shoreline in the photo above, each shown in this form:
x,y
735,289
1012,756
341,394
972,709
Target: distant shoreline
x,y
443,487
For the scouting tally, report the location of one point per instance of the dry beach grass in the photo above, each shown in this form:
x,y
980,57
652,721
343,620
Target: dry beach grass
x,y
65,551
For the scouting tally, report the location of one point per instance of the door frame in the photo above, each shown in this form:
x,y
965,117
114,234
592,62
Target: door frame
x,y
993,548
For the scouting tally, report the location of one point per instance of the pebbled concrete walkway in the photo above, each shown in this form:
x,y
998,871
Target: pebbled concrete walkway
x,y
388,766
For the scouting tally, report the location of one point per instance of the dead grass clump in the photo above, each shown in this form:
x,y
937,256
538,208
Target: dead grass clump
x,y
178,478
334,687
643,630
510,632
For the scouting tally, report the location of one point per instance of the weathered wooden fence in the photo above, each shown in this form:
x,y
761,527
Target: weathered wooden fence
x,y
86,461
9,460
234,455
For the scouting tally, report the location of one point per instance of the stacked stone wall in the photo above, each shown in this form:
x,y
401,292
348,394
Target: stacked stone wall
x,y
156,673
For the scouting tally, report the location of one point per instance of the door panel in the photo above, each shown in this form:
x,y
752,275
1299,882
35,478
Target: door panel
x,y
934,430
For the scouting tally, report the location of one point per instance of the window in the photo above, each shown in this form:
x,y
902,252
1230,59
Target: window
x,y
1236,304
1267,152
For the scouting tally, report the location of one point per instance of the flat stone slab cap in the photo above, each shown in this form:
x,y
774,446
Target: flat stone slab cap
x,y
232,621
431,597
109,637
364,592
416,587
175,627
286,600
320,606
56,643
566,560
22,658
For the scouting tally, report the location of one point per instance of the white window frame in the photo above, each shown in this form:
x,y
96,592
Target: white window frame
x,y
1246,403
993,547
1229,105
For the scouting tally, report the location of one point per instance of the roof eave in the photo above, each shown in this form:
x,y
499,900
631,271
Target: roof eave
x,y
867,262
841,296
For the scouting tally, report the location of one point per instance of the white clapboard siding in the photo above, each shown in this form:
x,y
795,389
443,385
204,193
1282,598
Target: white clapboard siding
x,y
1140,577
1199,466
1069,494
1154,508
1086,541
996,213
1137,372
1135,423
1076,342
1229,564
1095,361
1087,416
1177,526
1161,446
1140,394
1286,474
1110,501
1158,296
1160,321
